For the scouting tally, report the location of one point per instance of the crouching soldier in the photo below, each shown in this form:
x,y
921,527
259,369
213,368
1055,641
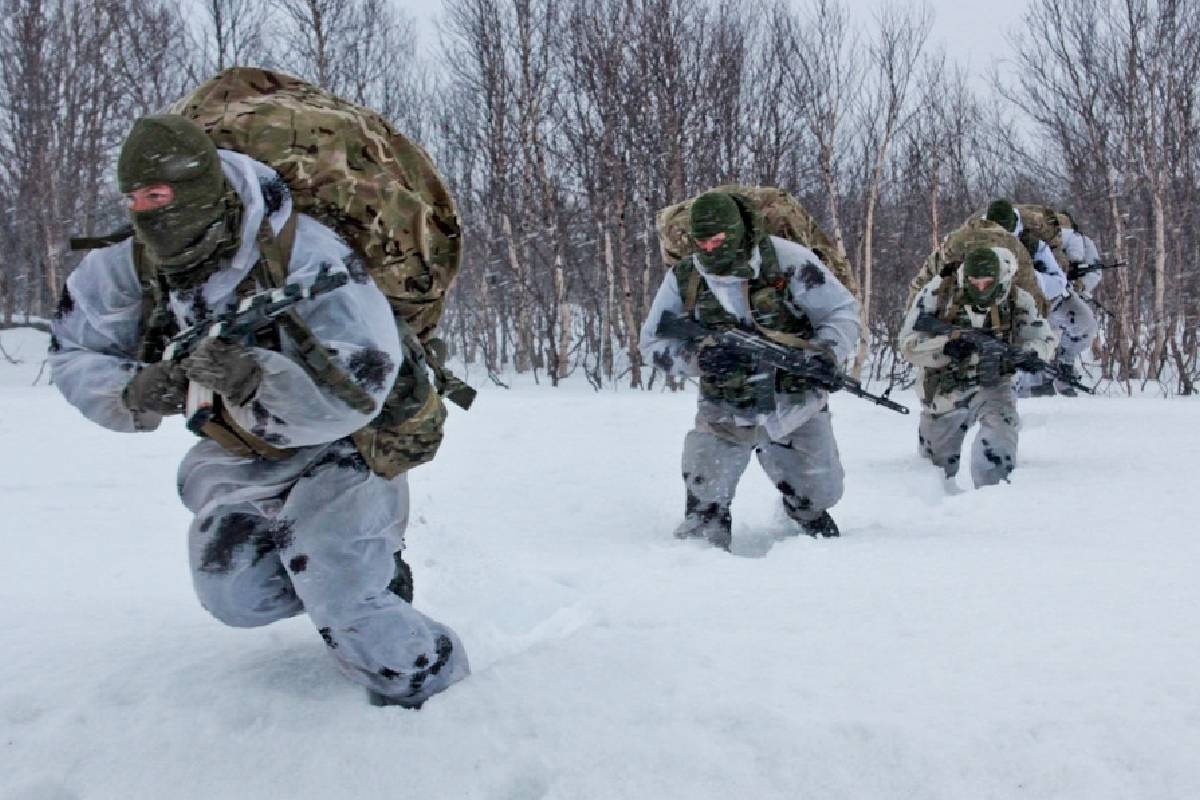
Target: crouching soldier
x,y
288,516
740,276
967,373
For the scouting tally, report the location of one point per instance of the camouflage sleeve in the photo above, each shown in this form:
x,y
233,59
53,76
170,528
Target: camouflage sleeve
x,y
923,349
94,339
1051,279
1073,247
669,355
818,294
354,323
1032,332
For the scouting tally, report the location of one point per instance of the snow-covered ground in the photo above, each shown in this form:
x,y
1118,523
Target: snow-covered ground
x,y
1037,640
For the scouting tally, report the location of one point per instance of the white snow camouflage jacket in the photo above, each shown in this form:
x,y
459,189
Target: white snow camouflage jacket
x,y
96,332
1031,332
829,306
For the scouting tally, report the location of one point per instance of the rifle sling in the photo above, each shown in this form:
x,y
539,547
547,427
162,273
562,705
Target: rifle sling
x,y
272,271
691,297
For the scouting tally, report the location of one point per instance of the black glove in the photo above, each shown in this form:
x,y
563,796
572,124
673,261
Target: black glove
x,y
720,358
1029,362
958,349
662,359
228,368
991,368
827,366
159,388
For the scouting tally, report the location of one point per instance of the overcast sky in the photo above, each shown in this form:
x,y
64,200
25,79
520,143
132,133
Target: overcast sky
x,y
972,31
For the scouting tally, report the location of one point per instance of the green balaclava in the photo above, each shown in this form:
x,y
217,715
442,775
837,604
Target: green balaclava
x,y
712,214
1002,213
981,263
203,220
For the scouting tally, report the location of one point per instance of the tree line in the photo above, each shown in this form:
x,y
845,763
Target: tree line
x,y
563,126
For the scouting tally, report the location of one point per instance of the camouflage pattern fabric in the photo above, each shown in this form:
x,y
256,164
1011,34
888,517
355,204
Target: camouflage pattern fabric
x,y
771,312
1041,223
780,214
974,233
380,192
408,431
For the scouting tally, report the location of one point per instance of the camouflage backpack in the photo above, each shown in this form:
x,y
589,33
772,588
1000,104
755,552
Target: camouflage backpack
x,y
781,215
1042,223
380,192
976,232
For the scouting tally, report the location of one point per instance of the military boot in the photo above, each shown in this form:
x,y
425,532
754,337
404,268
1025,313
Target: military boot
x,y
823,527
714,524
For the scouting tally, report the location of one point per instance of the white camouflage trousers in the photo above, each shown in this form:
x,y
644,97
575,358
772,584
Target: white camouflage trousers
x,y
315,533
804,465
1073,318
994,451
1075,322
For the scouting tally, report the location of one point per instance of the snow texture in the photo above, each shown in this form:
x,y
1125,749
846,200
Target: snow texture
x,y
1034,640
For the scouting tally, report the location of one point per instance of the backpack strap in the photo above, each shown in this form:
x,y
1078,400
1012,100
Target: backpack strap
x,y
691,292
272,270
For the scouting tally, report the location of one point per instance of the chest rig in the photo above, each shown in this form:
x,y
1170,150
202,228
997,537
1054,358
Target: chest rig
x,y
999,322
767,296
269,272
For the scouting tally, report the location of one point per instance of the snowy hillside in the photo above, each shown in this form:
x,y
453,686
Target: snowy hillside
x,y
1038,640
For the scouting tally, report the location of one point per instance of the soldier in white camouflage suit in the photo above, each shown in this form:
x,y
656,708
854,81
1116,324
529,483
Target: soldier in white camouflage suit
x,y
299,523
1072,315
959,387
740,277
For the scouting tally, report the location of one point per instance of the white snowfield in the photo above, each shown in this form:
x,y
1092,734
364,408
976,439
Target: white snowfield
x,y
1036,640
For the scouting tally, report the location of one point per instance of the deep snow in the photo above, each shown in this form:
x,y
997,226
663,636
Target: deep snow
x,y
1036,640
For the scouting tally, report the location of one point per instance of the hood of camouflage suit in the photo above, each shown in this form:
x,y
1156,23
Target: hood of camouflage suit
x,y
1008,271
755,236
1020,225
247,177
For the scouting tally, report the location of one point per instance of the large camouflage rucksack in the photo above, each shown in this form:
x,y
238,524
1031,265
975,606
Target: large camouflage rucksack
x,y
976,232
380,192
781,215
1041,222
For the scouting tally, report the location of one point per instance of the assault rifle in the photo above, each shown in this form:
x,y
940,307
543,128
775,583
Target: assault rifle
x,y
994,354
772,356
1079,269
249,317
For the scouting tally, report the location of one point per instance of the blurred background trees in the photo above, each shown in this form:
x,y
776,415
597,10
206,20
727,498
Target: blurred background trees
x,y
563,126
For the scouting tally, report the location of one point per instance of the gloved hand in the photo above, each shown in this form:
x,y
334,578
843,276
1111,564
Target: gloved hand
x,y
958,349
826,362
228,368
720,358
159,388
991,368
1029,362
662,359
